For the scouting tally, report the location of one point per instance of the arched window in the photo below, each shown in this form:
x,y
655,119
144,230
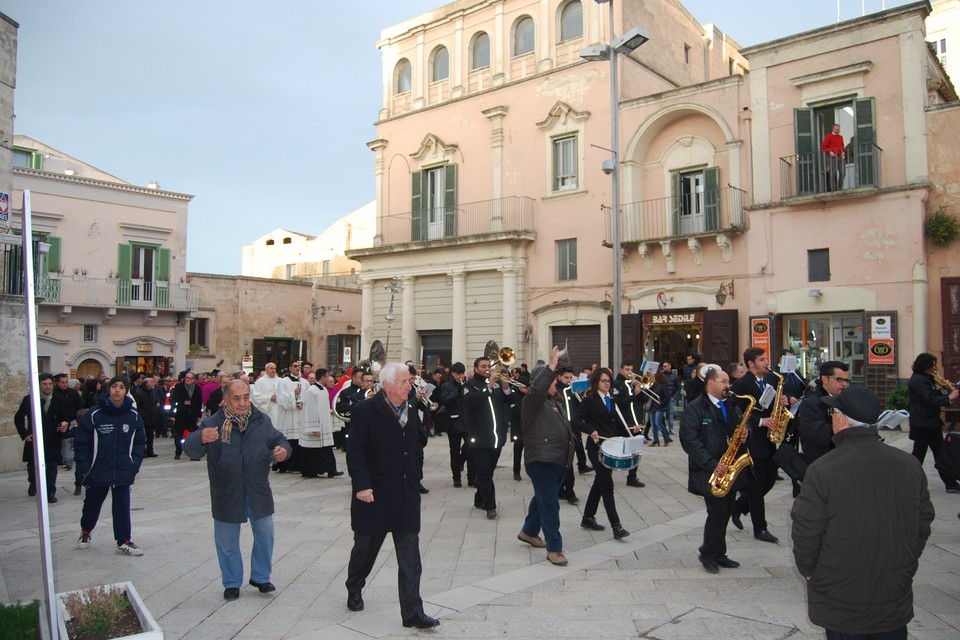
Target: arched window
x,y
287,241
439,64
480,51
270,242
571,21
403,76
523,36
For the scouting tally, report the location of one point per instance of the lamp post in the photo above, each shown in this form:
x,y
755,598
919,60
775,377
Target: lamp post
x,y
624,44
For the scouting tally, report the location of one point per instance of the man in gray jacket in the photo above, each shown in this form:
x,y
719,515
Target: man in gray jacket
x,y
859,526
240,443
548,453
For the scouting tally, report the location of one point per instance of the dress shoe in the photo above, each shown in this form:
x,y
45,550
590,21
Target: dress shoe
x,y
953,489
709,564
422,489
727,563
458,484
765,536
69,467
585,469
533,541
619,532
177,457
557,558
152,455
77,490
422,621
354,602
592,524
32,490
735,519
517,476
656,443
231,593
264,587
633,482
573,499
471,483
491,514
51,499
335,474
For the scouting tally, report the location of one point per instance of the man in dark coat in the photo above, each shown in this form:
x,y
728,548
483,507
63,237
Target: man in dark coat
x,y
186,403
705,426
381,459
485,398
927,399
55,417
859,526
149,411
813,423
629,400
241,444
451,394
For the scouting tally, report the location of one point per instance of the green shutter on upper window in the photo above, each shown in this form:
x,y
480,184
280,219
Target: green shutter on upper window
x,y
808,151
124,264
417,215
53,255
864,143
450,201
675,204
711,198
162,267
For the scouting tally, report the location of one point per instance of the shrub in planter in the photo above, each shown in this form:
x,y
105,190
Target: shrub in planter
x,y
898,399
106,613
941,228
20,621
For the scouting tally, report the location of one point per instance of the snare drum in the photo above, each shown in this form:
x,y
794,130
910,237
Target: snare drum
x,y
614,454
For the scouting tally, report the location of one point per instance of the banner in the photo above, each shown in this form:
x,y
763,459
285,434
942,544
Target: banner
x,y
760,334
881,352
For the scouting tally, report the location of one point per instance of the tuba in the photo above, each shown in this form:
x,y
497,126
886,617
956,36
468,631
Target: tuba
x,y
780,415
721,485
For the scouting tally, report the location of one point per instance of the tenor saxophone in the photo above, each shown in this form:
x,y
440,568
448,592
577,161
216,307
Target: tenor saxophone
x,y
779,415
721,485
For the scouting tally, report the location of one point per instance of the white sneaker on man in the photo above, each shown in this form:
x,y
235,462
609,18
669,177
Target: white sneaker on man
x,y
84,541
129,549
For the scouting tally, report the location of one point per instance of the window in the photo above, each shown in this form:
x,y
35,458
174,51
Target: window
x,y
857,165
90,334
325,267
22,158
139,268
571,21
818,265
523,36
439,64
696,201
198,332
403,77
434,203
686,54
287,241
290,271
565,163
480,51
567,259
270,242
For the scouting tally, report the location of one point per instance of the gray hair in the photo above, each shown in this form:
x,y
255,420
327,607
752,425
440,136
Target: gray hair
x,y
392,371
234,383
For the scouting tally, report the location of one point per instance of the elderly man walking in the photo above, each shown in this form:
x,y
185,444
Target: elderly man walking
x,y
240,444
382,461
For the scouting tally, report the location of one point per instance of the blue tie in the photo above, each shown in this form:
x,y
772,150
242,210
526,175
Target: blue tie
x,y
723,410
607,402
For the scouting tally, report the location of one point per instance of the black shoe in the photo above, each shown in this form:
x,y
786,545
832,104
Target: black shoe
x,y
231,593
517,476
779,478
765,536
334,474
573,499
619,531
458,484
727,563
422,621
656,443
422,489
633,482
953,489
491,514
77,491
52,499
735,519
471,483
709,564
354,602
32,490
151,455
177,457
585,469
592,524
265,587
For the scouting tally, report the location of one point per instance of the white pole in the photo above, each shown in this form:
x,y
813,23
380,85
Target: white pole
x,y
615,214
40,462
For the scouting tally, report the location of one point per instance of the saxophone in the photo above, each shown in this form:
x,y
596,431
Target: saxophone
x,y
780,415
721,485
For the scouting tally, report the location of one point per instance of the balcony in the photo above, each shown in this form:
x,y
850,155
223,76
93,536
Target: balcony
x,y
110,292
704,213
473,219
811,174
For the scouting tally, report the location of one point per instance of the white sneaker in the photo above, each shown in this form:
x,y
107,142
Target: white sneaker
x,y
84,541
130,549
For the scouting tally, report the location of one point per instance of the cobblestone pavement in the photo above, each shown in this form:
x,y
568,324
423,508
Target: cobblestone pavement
x,y
477,577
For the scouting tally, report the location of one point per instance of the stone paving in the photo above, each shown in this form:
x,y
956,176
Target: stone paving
x,y
477,577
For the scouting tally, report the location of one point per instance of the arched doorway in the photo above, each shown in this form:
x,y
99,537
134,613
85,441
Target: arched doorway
x,y
89,367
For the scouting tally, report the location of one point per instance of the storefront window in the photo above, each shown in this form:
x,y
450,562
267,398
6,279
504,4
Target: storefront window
x,y
816,339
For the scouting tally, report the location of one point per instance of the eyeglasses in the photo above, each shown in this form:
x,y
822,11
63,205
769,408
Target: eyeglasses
x,y
839,379
605,381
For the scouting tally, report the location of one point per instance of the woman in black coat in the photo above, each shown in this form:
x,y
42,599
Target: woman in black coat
x,y
595,416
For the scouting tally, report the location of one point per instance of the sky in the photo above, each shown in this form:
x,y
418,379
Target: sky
x,y
261,109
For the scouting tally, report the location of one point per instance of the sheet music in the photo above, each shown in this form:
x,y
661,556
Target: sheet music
x,y
649,368
788,364
890,419
769,393
634,445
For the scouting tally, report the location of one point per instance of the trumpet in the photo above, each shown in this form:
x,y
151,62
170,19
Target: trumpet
x,y
424,396
943,382
504,358
645,383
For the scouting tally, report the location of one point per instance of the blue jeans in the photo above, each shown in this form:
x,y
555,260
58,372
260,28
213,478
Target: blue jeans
x,y
656,421
227,538
671,407
544,511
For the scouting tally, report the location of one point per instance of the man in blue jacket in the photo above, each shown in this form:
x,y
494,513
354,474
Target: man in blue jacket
x,y
109,447
241,444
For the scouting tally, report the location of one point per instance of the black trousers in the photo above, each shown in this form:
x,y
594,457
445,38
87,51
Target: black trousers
x,y
51,472
759,482
517,455
602,489
897,634
566,489
364,555
580,453
932,439
291,464
458,454
484,462
715,528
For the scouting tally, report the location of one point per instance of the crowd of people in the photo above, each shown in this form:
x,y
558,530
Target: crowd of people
x,y
292,421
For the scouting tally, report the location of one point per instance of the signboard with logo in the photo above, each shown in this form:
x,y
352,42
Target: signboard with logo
x,y
665,320
880,327
881,351
760,334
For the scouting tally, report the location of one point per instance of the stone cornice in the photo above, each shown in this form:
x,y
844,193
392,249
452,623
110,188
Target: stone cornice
x,y
166,343
91,182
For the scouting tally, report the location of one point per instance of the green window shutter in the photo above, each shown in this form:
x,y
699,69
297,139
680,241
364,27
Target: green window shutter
x,y
418,215
333,353
675,204
162,266
864,143
711,198
450,201
808,151
124,264
53,256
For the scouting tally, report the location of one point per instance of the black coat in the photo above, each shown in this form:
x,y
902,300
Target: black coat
x,y
382,456
814,426
214,401
703,436
486,411
592,415
451,395
546,431
187,407
50,419
630,402
146,407
926,401
758,442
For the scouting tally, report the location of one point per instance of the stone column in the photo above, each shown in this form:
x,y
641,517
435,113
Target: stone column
x,y
366,318
496,115
458,350
408,314
510,322
378,146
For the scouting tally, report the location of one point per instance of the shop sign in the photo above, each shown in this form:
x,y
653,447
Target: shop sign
x,y
247,364
880,327
144,346
760,335
661,319
346,355
881,351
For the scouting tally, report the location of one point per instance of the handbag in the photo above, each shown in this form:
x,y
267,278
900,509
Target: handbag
x,y
948,459
789,459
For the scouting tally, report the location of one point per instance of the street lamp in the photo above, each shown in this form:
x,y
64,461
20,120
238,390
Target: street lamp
x,y
624,44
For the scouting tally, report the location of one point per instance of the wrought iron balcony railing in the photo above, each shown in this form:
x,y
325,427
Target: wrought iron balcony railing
x,y
514,213
696,214
807,174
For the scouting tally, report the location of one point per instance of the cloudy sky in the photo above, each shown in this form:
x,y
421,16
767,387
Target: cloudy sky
x,y
260,108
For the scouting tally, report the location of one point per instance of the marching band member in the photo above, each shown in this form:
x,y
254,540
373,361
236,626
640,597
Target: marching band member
x,y
485,398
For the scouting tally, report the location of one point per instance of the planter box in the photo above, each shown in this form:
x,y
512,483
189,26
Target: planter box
x,y
151,630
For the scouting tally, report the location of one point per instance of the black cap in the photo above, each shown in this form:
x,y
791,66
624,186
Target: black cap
x,y
122,380
858,403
